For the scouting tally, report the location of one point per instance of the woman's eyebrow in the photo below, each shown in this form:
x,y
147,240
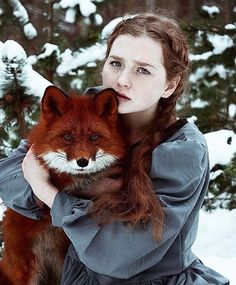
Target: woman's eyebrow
x,y
144,64
116,57
136,61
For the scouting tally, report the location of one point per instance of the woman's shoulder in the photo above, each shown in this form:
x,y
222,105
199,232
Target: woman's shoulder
x,y
189,132
187,140
185,151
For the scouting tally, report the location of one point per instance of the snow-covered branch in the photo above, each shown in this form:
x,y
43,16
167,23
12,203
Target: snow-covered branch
x,y
15,69
21,14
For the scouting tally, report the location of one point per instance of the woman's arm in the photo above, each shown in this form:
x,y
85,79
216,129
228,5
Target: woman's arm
x,y
15,191
180,175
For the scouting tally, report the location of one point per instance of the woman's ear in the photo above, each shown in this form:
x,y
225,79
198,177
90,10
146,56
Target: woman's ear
x,y
170,87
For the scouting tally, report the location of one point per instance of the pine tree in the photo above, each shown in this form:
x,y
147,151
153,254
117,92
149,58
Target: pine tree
x,y
212,96
19,107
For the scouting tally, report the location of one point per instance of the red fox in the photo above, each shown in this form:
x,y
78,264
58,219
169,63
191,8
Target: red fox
x,y
77,137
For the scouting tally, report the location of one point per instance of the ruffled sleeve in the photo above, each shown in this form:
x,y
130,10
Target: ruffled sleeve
x,y
180,173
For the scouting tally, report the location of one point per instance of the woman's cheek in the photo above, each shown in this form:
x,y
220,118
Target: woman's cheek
x,y
107,78
108,82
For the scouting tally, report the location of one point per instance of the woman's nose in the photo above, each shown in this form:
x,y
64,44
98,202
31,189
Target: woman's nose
x,y
124,80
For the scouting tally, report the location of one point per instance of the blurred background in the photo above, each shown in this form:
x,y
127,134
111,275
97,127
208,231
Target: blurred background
x,y
63,42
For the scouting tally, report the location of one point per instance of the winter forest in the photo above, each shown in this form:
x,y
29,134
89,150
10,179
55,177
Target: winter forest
x,y
62,42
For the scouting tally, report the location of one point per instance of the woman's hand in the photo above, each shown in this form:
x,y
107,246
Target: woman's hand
x,y
38,178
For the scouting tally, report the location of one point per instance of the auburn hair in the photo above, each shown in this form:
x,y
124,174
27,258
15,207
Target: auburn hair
x,y
138,204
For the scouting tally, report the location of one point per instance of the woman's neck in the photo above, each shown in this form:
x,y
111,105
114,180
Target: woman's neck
x,y
137,125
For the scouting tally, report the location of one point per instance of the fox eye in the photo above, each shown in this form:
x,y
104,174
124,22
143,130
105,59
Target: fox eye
x,y
68,137
93,138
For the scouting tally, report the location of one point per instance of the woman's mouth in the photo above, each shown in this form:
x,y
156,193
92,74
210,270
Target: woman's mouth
x,y
122,96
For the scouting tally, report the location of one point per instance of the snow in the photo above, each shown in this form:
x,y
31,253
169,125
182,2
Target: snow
x,y
70,61
34,82
13,57
192,119
2,209
215,174
49,49
203,56
30,31
232,110
220,70
22,15
198,74
211,10
110,27
70,15
86,6
76,84
215,243
222,146
2,115
230,26
219,43
98,19
198,103
107,30
12,51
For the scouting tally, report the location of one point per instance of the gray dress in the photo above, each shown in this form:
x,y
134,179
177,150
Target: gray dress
x,y
113,254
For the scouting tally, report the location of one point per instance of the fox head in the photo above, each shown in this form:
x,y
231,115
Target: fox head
x,y
78,134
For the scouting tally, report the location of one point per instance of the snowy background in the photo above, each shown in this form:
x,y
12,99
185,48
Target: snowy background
x,y
216,241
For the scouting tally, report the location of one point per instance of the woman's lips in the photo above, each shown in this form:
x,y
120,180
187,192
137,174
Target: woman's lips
x,y
119,95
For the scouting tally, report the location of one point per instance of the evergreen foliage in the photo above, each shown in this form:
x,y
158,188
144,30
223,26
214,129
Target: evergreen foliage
x,y
212,95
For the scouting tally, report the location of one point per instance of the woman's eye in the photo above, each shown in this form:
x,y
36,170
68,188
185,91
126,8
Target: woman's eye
x,y
93,137
68,137
115,63
143,70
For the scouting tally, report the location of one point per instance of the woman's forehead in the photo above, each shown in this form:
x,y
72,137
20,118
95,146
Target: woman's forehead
x,y
140,49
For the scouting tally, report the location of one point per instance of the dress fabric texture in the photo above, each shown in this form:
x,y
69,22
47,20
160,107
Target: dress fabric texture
x,y
76,273
113,254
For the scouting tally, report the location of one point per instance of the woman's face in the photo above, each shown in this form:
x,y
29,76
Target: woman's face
x,y
135,69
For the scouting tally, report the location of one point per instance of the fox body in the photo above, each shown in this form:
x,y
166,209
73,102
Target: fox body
x,y
77,137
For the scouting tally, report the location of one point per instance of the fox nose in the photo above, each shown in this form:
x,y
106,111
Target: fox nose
x,y
82,162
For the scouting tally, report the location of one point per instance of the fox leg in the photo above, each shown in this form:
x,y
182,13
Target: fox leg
x,y
20,234
17,266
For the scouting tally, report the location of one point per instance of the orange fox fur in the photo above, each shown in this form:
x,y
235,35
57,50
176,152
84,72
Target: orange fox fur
x,y
80,130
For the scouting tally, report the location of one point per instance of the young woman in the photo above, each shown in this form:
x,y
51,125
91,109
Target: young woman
x,y
147,64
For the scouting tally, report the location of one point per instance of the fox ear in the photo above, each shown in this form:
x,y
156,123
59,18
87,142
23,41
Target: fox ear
x,y
53,102
106,103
